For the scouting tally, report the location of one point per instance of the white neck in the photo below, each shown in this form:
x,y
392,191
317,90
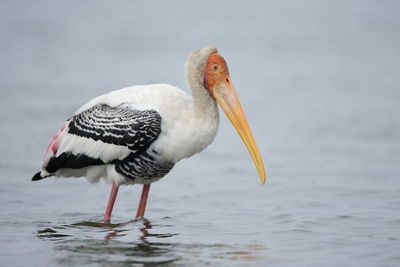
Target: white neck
x,y
205,105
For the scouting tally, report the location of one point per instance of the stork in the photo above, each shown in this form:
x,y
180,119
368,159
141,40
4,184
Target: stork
x,y
137,134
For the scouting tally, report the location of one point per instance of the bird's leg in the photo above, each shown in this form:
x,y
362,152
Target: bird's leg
x,y
113,195
143,200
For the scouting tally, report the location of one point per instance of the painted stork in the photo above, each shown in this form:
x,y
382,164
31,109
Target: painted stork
x,y
135,135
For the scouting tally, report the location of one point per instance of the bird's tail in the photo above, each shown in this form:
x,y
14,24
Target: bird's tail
x,y
39,176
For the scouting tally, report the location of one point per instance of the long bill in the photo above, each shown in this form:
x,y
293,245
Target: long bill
x,y
228,99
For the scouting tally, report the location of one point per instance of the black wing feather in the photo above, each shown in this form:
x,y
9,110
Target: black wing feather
x,y
120,125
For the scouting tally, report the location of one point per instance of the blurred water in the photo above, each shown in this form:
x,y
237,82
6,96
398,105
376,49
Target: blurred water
x,y
319,83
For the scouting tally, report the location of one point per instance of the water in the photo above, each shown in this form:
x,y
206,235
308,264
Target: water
x,y
320,86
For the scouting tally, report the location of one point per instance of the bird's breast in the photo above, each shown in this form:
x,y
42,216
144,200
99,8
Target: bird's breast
x,y
185,134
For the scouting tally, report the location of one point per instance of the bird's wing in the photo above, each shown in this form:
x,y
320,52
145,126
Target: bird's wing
x,y
121,125
102,134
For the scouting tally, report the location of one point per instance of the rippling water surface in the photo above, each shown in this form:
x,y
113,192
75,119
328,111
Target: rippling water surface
x,y
320,86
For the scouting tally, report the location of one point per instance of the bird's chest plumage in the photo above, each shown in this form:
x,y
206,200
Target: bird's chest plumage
x,y
185,135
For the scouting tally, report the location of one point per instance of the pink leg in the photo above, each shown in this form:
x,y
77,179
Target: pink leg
x,y
113,195
143,200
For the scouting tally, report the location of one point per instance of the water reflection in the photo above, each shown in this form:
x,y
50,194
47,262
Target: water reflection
x,y
137,241
91,242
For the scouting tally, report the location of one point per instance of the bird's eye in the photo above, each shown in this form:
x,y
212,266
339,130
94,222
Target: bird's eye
x,y
215,67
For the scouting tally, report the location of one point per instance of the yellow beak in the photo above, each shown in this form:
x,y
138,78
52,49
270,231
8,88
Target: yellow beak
x,y
227,98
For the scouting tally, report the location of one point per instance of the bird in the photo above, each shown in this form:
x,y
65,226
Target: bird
x,y
137,134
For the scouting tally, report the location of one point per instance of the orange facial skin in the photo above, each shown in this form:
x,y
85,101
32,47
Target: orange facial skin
x,y
215,72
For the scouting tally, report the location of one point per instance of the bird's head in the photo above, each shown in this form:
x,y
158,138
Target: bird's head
x,y
215,75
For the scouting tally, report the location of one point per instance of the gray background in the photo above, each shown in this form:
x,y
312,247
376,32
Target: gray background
x,y
319,82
